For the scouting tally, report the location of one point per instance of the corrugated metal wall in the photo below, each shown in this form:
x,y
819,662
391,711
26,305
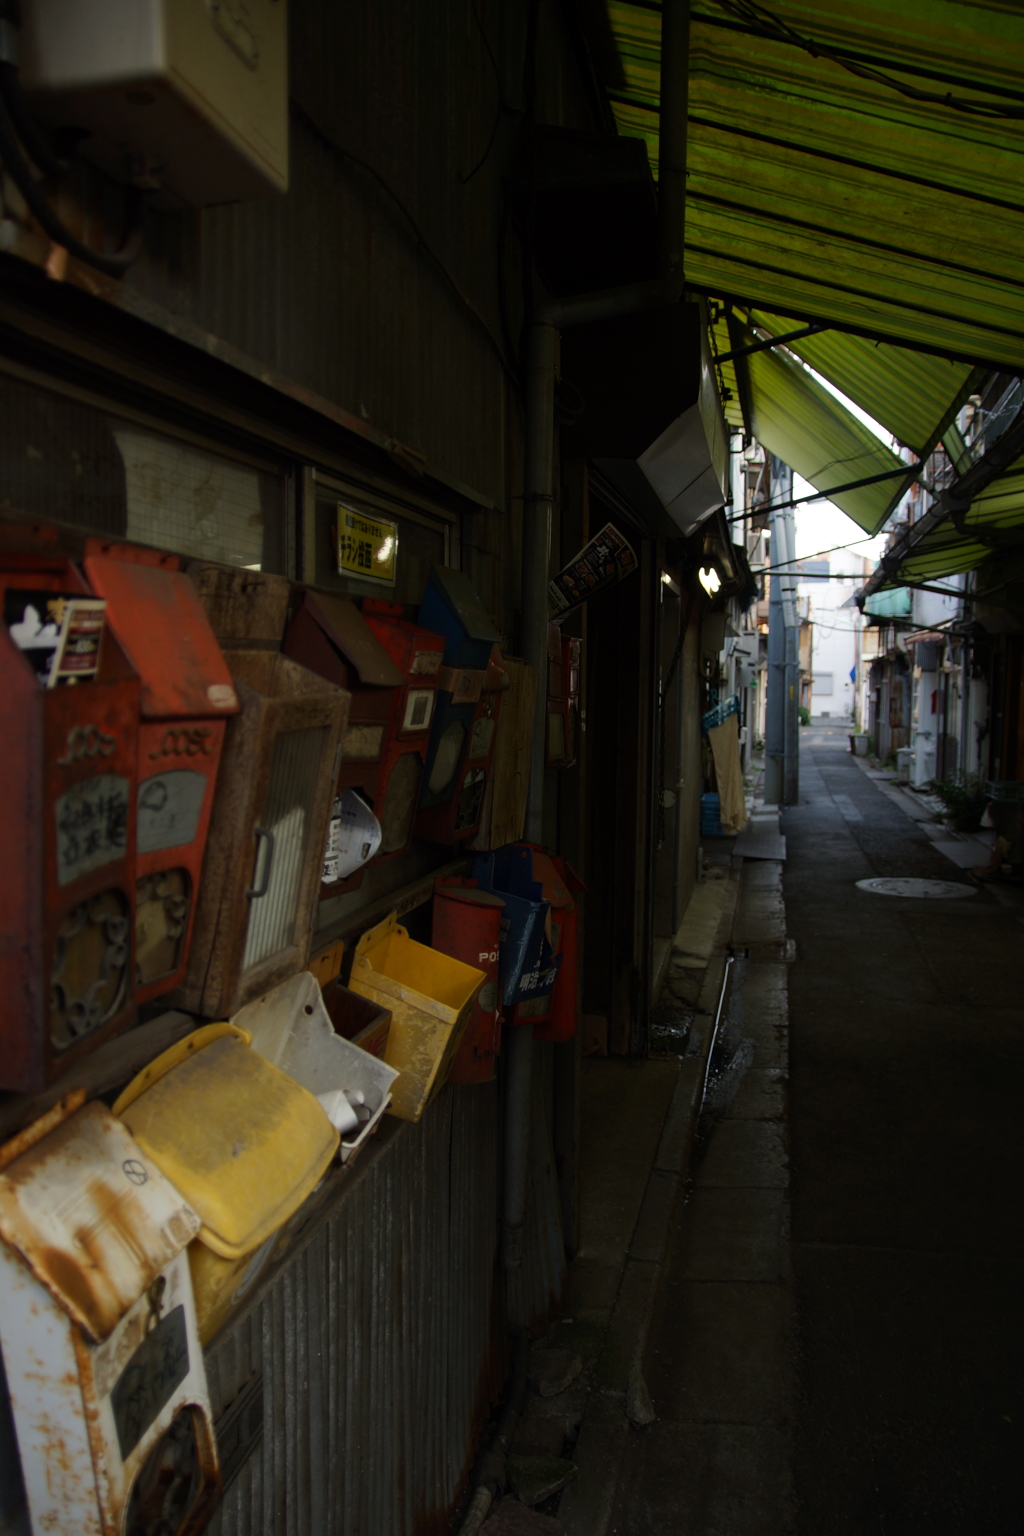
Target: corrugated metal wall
x,y
381,1344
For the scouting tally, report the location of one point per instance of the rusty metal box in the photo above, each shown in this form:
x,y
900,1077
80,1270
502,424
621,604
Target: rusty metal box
x,y
187,695
67,850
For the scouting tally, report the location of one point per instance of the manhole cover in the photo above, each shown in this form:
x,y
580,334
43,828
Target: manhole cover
x,y
909,887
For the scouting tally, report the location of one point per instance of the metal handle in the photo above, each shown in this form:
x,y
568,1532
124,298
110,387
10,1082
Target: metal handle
x,y
254,892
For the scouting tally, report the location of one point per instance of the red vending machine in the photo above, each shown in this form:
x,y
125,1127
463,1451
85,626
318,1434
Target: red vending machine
x,y
187,695
467,926
418,654
67,834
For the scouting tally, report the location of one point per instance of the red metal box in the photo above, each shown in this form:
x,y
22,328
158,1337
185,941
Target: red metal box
x,y
67,850
418,654
187,695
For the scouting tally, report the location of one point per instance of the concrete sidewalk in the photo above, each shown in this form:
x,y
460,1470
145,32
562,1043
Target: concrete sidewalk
x,y
638,1127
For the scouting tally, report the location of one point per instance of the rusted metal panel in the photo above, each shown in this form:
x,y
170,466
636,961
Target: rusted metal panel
x,y
94,1219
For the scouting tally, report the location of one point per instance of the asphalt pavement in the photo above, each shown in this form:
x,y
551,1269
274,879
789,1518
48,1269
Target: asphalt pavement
x,y
839,1348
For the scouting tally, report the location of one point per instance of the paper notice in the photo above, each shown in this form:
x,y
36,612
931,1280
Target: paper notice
x,y
352,839
604,561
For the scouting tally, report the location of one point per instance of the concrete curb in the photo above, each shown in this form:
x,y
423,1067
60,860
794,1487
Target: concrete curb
x,y
587,1503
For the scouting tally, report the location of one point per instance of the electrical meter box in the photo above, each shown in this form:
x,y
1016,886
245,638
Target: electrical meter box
x,y
190,96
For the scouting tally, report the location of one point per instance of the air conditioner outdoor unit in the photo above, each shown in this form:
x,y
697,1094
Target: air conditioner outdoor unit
x,y
186,95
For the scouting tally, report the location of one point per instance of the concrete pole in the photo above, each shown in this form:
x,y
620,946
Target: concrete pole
x,y
775,711
791,619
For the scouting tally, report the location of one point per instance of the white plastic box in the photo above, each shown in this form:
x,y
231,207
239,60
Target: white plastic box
x,y
291,1028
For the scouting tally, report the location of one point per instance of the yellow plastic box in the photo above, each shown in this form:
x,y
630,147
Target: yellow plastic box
x,y
240,1141
430,996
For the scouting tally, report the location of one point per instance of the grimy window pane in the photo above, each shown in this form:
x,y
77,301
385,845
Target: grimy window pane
x,y
67,462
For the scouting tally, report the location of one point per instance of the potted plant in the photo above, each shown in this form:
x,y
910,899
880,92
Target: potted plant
x,y
965,799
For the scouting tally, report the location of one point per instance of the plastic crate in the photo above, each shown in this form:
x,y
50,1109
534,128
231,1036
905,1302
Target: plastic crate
x,y
430,996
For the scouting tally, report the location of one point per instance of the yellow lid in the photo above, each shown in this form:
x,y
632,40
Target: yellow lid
x,y
237,1137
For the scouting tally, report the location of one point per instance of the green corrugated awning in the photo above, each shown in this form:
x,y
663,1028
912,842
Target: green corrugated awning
x,y
815,193
994,522
912,395
893,604
805,426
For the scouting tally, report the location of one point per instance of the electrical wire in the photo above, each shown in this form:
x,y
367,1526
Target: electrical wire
x,y
500,103
767,24
298,111
20,172
21,135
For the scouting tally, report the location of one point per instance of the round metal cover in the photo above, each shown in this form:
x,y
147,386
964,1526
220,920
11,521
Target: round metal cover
x,y
906,886
447,757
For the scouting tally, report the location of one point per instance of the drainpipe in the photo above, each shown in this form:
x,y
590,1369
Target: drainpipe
x,y
538,500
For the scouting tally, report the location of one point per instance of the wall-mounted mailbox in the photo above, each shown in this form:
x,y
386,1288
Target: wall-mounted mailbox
x,y
330,636
67,847
467,925
418,655
246,609
462,740
557,1017
101,1348
267,834
187,695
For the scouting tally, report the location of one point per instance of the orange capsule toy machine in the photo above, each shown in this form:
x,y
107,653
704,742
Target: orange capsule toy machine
x,y
67,835
187,695
418,654
467,926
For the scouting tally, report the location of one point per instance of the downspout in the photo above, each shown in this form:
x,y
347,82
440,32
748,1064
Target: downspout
x,y
538,500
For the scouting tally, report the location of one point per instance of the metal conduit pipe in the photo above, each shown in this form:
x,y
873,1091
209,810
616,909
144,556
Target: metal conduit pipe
x,y
538,499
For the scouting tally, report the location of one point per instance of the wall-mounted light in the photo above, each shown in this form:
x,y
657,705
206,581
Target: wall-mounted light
x,y
709,579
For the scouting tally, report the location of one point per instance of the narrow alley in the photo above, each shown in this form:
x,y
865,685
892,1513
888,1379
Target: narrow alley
x,y
838,1342
512,790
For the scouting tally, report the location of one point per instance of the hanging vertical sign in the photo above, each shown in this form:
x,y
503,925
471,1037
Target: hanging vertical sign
x,y
599,565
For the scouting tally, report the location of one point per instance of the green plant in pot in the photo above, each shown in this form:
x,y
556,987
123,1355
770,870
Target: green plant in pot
x,y
965,799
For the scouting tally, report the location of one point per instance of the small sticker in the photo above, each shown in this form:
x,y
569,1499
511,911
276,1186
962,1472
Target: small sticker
x,y
426,663
480,741
419,709
221,696
362,743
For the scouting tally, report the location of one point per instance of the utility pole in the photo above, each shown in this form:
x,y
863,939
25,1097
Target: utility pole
x,y
782,721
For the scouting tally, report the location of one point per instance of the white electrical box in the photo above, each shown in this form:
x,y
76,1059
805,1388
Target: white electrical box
x,y
189,97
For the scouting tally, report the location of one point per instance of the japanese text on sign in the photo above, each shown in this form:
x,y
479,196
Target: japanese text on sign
x,y
367,546
92,825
